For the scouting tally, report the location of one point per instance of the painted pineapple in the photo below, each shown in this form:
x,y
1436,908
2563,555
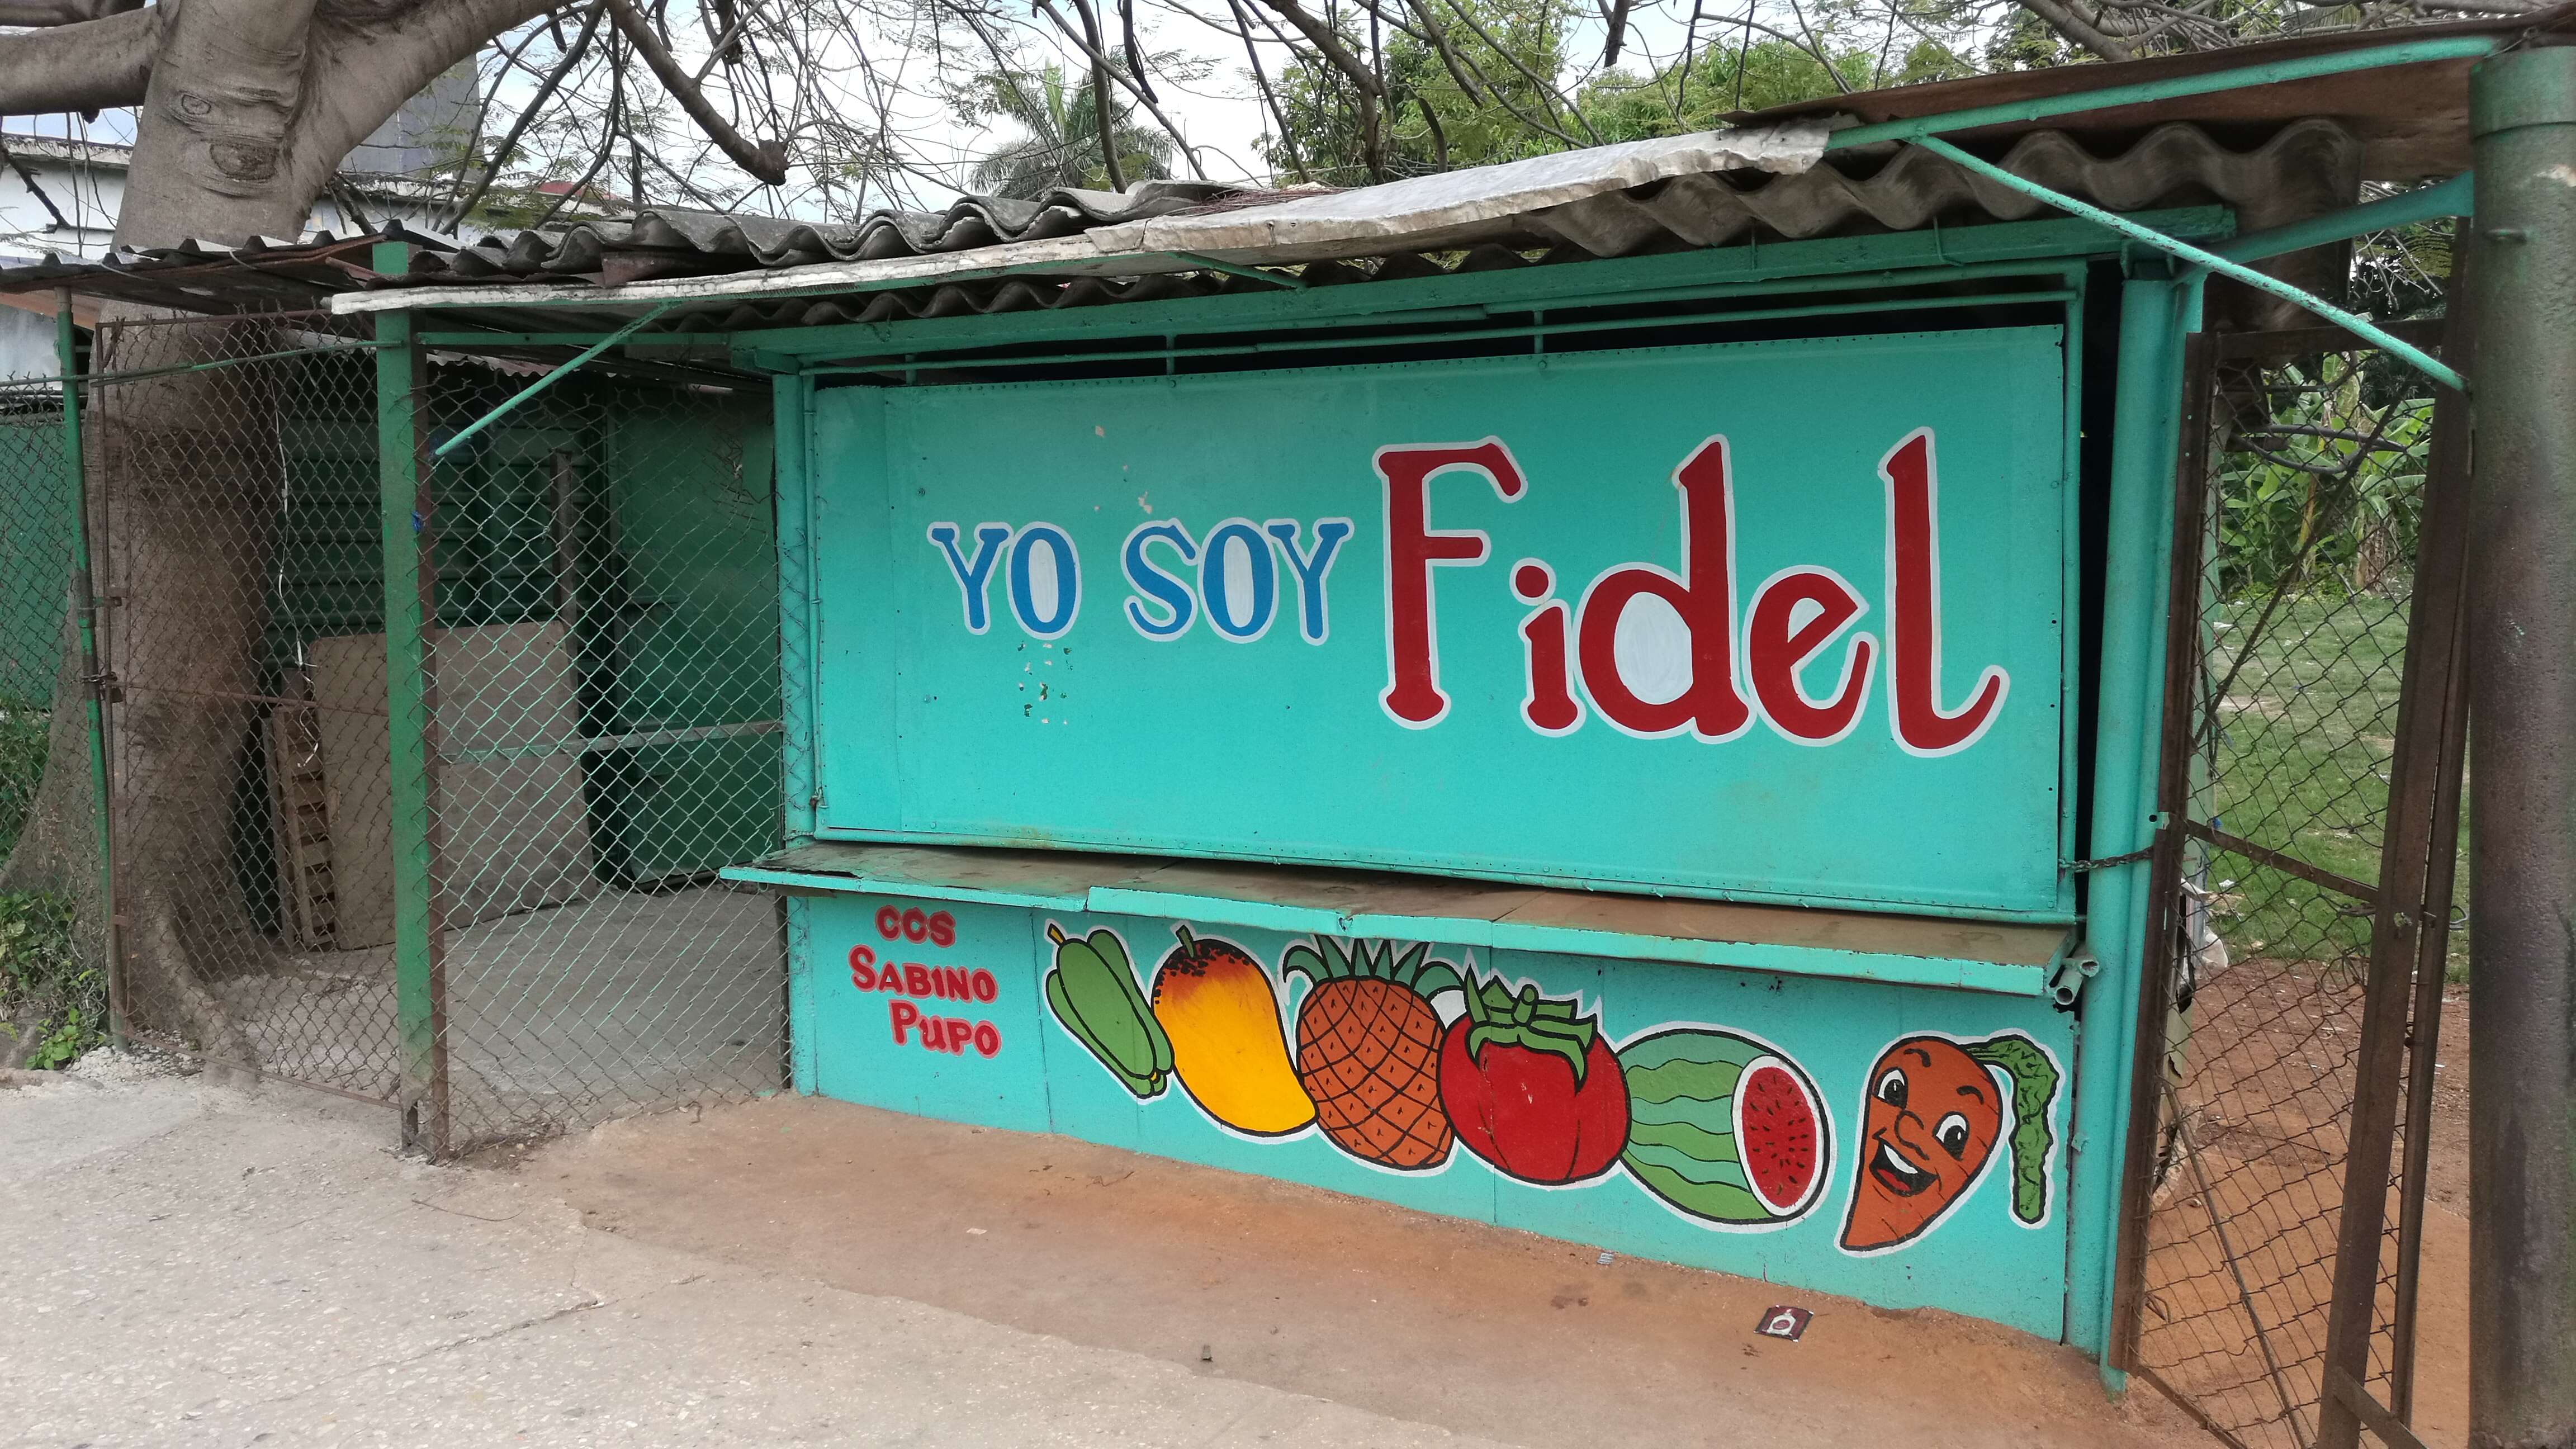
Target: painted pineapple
x,y
1368,1049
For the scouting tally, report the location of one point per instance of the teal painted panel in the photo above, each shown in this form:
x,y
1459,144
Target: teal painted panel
x,y
1002,562
1731,1120
943,1029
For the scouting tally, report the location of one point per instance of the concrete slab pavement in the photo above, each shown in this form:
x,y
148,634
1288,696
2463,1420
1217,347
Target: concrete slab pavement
x,y
194,1266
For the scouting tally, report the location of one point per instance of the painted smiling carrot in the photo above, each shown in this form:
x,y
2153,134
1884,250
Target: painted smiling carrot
x,y
1934,1115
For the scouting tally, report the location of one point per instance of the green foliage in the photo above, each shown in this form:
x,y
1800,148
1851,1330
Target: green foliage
x,y
46,987
1059,141
22,765
2323,496
1509,51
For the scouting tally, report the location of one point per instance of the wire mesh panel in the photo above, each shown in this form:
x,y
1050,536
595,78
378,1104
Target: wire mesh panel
x,y
237,528
53,985
605,734
2314,497
601,661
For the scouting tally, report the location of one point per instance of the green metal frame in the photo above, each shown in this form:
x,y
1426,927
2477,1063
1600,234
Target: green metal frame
x,y
2454,197
513,402
2155,314
419,1011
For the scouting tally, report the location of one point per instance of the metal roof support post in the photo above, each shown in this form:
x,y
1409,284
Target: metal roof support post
x,y
85,606
2522,712
420,975
2358,326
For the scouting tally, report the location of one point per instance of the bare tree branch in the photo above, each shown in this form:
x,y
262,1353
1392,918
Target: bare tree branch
x,y
1329,45
1617,20
1270,98
2063,19
502,154
1438,39
766,160
1135,52
1089,39
61,12
84,67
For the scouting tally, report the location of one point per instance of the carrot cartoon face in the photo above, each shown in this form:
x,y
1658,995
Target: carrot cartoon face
x,y
1932,1122
1935,1113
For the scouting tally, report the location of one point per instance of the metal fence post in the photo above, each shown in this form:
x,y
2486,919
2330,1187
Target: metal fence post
x,y
84,606
2522,830
2422,764
420,988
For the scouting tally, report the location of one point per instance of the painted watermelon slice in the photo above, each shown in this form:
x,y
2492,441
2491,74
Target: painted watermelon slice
x,y
1724,1128
1779,1131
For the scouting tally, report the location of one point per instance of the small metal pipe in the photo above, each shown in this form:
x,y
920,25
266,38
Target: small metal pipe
x,y
2358,326
2462,47
2454,197
84,604
2522,712
549,380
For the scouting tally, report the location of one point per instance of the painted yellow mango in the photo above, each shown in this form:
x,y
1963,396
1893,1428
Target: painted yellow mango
x,y
1228,1048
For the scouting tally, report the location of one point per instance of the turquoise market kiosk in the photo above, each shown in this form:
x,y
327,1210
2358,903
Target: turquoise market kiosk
x,y
1615,695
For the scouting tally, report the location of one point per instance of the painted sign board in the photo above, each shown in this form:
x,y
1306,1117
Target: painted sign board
x,y
1777,620
1901,1145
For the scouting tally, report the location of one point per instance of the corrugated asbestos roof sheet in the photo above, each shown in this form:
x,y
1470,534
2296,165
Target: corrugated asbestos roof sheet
x,y
1077,248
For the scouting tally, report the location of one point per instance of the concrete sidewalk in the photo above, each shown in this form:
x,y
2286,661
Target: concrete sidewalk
x,y
195,1266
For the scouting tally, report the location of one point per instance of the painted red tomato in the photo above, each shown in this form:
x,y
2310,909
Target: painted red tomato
x,y
1531,1087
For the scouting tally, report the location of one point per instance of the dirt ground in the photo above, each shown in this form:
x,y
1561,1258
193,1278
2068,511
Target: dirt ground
x,y
1480,1330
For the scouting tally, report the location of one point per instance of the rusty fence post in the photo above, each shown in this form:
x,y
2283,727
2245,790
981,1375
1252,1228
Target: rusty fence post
x,y
2422,768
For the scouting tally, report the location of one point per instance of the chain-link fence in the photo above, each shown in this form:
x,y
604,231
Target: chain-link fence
x,y
2315,484
53,981
603,730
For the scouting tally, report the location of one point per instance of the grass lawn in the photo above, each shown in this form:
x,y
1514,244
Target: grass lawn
x,y
2305,733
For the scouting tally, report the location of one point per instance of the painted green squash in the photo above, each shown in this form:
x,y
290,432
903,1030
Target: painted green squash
x,y
1724,1128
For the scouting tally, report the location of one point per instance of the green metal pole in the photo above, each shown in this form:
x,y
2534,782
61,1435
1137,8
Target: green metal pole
x,y
2522,712
2454,197
2359,326
419,987
2155,312
84,606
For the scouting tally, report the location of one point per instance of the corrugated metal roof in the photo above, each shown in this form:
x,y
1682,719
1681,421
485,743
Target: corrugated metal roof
x,y
2306,169
1079,248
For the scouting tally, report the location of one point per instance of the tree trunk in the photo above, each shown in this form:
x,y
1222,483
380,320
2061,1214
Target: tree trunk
x,y
186,485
